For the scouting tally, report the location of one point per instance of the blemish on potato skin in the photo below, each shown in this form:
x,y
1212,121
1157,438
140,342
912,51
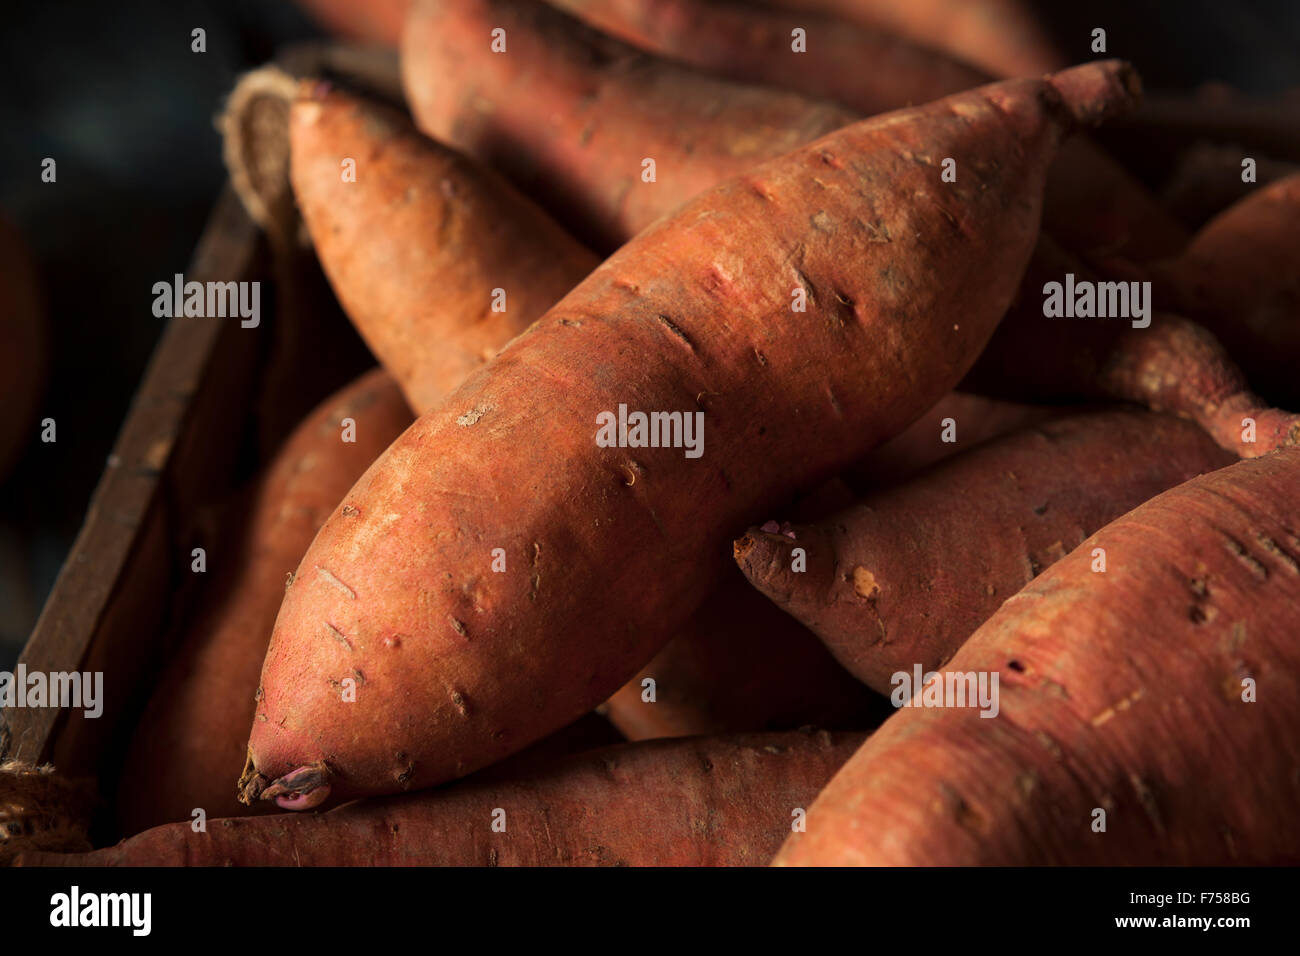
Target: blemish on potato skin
x,y
330,578
460,703
1238,551
338,635
474,415
458,626
1275,549
404,772
676,330
865,584
350,511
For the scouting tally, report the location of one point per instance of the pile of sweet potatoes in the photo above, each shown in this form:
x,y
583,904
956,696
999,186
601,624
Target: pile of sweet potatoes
x,y
894,448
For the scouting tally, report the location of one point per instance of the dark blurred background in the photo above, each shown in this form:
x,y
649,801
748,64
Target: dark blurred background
x,y
113,92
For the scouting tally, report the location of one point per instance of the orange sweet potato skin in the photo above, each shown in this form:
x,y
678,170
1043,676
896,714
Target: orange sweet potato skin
x,y
973,419
905,576
1000,36
753,45
573,114
190,742
1241,277
1120,691
1092,203
740,664
415,246
458,665
553,112
726,801
1174,365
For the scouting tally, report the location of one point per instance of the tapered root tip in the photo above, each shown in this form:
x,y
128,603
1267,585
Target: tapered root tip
x,y
760,552
251,783
300,789
1094,92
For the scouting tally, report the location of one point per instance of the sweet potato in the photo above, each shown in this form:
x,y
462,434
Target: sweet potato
x,y
1174,365
1241,277
957,422
725,801
570,114
608,549
416,246
1092,204
1003,37
1146,714
740,664
189,743
753,44
23,346
1207,180
905,576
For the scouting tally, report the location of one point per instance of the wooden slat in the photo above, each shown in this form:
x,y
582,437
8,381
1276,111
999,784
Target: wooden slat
x,y
115,521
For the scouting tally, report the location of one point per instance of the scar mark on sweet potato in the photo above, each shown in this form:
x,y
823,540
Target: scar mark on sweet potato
x,y
810,289
338,635
460,702
1118,707
1275,549
845,307
966,816
676,330
1238,551
536,578
330,578
350,511
457,626
473,416
865,584
1146,796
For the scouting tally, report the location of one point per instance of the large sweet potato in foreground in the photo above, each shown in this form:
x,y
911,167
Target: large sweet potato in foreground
x,y
905,576
723,801
498,572
191,739
424,243
415,248
1146,713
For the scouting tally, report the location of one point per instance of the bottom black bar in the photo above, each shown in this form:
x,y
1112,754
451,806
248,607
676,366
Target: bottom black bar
x,y
277,906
